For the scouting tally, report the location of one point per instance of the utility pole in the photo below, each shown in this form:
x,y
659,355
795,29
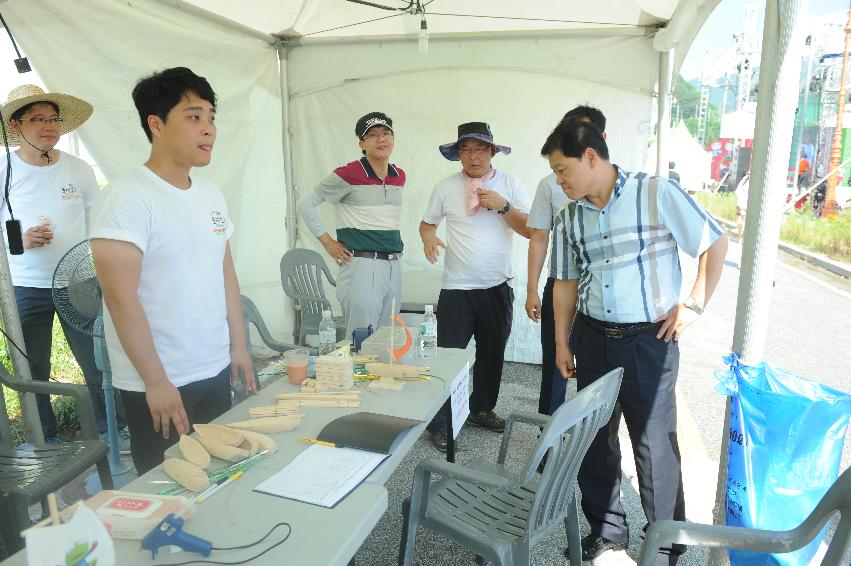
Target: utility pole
x,y
829,208
803,113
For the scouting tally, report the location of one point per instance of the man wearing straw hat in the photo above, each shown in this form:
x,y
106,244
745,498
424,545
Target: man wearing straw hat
x,y
483,208
51,193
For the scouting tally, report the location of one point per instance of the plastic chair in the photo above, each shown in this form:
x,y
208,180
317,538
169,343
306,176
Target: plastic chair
x,y
27,475
500,514
836,500
301,277
251,315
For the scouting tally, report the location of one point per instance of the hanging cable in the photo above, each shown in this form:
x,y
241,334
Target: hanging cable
x,y
353,25
383,7
22,64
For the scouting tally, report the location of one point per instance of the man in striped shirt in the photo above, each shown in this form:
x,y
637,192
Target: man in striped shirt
x,y
617,303
368,195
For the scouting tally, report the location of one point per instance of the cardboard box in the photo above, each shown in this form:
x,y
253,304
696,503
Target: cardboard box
x,y
133,515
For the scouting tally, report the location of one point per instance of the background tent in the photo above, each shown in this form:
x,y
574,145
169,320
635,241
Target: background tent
x,y
293,76
693,163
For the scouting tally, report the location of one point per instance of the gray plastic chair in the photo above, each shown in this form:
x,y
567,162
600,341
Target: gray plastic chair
x,y
251,315
301,277
27,475
499,514
836,500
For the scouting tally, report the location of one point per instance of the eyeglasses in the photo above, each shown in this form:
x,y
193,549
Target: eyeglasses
x,y
475,150
41,120
375,135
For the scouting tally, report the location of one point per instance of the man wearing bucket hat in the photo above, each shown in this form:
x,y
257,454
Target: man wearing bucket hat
x,y
368,198
483,208
51,193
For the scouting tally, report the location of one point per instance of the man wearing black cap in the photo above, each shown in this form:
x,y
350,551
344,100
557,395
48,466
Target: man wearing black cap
x,y
483,208
368,195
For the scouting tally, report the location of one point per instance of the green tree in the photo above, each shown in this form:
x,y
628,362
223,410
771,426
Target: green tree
x,y
688,100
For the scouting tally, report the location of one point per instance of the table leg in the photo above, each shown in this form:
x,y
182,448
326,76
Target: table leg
x,y
450,440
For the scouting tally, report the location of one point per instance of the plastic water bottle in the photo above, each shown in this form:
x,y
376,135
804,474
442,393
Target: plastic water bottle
x,y
327,334
428,334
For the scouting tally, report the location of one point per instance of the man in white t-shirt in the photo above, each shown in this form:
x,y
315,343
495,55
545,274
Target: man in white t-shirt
x,y
160,242
51,194
548,202
483,208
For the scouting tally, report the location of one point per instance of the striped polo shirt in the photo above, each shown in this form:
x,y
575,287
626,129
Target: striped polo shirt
x,y
624,255
369,209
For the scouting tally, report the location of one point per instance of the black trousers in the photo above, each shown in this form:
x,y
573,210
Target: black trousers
x,y
648,404
553,385
36,311
485,314
203,401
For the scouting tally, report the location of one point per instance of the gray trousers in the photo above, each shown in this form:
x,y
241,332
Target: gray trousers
x,y
366,288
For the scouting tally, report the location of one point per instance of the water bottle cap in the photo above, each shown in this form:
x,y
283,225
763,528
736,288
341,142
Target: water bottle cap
x,y
429,308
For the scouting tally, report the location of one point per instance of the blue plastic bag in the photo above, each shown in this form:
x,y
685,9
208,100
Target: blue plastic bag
x,y
786,439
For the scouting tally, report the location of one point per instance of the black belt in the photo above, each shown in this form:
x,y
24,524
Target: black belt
x,y
389,256
619,329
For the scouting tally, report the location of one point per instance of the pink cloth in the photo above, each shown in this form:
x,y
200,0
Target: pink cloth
x,y
473,184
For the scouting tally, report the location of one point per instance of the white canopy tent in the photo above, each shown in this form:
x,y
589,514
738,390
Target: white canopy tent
x,y
693,163
293,76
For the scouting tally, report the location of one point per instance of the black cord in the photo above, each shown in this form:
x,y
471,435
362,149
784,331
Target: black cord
x,y
247,560
18,348
8,164
382,6
354,24
6,26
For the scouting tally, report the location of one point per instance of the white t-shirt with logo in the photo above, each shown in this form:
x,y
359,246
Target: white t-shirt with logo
x,y
182,235
479,246
59,195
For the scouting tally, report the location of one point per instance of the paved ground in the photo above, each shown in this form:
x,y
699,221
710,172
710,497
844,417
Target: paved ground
x,y
807,336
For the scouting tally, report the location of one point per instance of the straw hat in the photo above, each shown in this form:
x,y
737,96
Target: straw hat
x,y
72,110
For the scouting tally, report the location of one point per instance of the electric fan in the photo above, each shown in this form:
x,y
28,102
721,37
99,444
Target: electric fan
x,y
78,300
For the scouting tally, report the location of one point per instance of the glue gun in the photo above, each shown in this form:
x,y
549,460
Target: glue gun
x,y
170,533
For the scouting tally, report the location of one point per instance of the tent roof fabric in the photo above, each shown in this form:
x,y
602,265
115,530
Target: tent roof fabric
x,y
339,18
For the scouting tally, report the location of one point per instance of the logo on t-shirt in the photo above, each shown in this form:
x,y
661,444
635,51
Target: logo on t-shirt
x,y
70,192
219,222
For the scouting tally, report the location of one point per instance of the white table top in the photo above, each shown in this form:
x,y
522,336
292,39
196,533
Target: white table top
x,y
237,515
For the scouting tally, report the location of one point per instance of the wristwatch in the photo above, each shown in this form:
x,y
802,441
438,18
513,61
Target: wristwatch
x,y
505,209
690,303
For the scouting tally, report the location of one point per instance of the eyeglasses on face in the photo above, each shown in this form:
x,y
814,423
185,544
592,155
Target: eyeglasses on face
x,y
376,135
41,120
478,150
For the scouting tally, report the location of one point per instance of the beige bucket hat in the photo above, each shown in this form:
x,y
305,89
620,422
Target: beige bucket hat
x,y
73,111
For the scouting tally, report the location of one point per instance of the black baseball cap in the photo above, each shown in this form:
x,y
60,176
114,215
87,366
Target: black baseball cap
x,y
365,123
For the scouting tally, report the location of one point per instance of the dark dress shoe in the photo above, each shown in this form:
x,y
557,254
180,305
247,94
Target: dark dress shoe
x,y
595,545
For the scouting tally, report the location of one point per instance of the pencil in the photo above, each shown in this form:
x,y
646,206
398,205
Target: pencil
x,y
319,442
214,489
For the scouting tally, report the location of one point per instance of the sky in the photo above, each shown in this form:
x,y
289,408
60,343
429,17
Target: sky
x,y
717,33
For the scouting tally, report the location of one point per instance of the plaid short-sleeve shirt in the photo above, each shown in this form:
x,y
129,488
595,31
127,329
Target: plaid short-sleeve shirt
x,y
624,255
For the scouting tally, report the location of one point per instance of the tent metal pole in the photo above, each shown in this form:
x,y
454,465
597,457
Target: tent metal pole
x,y
12,327
780,70
286,135
663,126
